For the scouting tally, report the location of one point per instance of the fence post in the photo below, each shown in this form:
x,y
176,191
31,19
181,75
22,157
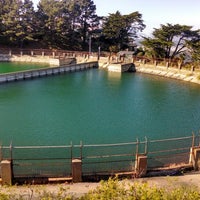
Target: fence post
x,y
6,172
167,64
192,68
77,170
137,147
141,165
195,154
195,158
146,145
54,54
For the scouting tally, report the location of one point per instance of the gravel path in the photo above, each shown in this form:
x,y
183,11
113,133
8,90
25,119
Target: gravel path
x,y
79,189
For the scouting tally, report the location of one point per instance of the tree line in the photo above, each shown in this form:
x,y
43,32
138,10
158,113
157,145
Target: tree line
x,y
65,24
74,25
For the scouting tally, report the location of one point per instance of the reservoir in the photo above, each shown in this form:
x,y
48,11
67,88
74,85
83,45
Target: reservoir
x,y
97,107
7,67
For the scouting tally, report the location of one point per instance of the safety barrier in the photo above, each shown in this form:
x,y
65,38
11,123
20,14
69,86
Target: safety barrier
x,y
92,162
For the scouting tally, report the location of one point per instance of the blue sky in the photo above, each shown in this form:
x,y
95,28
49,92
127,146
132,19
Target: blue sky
x,y
155,12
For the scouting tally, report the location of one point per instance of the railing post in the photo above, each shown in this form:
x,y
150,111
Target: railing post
x,y
6,172
1,153
141,165
71,150
137,146
76,166
53,54
146,145
141,162
195,154
11,156
195,157
77,170
81,150
167,65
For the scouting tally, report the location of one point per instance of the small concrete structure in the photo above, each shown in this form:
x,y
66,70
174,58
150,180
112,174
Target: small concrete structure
x,y
22,75
121,67
77,170
141,165
54,61
6,172
195,157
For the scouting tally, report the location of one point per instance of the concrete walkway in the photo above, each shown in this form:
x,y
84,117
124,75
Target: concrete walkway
x,y
79,189
184,75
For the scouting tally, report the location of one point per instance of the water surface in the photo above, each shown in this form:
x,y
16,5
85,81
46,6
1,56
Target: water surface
x,y
97,106
7,67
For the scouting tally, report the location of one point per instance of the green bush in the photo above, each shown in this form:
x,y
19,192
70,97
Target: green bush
x,y
116,190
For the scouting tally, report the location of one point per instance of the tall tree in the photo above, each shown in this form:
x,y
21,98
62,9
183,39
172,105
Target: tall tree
x,y
169,41
10,17
194,46
26,24
50,21
84,19
119,30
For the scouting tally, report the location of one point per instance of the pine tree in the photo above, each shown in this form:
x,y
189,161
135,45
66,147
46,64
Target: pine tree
x,y
119,29
169,41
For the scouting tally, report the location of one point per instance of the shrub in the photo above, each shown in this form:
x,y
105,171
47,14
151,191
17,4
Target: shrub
x,y
115,190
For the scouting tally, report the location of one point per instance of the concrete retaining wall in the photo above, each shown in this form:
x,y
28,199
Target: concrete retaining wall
x,y
121,67
45,72
38,59
169,72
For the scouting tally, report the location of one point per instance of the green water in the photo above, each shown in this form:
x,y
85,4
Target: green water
x,y
96,106
7,67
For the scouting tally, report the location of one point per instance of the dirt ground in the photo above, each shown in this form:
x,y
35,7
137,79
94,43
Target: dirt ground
x,y
79,189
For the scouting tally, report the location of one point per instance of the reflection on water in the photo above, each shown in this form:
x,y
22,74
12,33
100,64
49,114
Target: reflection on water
x,y
114,75
7,67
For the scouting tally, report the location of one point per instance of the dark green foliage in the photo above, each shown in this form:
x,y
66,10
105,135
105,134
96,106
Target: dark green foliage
x,y
120,30
194,46
16,21
169,41
65,24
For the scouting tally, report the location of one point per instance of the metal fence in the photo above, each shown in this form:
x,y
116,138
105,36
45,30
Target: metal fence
x,y
42,52
97,159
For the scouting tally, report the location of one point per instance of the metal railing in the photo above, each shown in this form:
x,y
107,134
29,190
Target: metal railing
x,y
42,52
55,161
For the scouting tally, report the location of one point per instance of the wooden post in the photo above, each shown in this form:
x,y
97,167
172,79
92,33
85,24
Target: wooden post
x,y
77,170
6,172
